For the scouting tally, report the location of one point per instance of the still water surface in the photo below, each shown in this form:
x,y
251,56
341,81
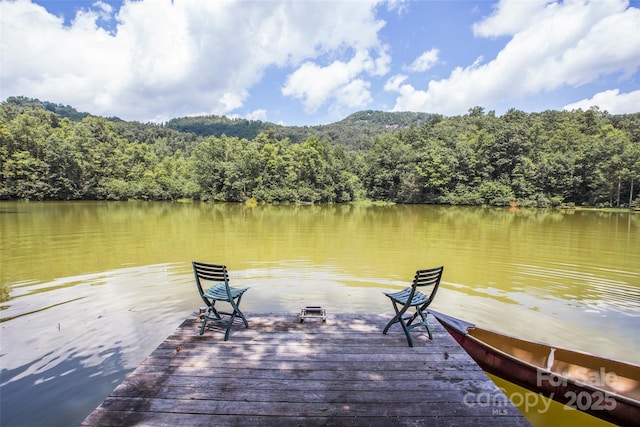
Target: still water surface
x,y
88,289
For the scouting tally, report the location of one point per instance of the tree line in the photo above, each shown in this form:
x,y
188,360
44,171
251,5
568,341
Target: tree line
x,y
552,158
352,132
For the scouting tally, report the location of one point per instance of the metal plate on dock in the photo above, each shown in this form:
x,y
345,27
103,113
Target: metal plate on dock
x,y
313,312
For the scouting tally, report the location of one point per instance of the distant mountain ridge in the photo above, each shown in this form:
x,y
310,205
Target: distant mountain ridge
x,y
344,132
352,131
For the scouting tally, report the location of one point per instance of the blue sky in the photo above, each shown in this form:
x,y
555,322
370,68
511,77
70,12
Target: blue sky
x,y
314,62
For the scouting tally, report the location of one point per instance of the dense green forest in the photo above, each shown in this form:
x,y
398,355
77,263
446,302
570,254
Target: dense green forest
x,y
552,158
354,131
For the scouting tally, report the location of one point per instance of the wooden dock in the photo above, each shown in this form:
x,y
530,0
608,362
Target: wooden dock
x,y
280,372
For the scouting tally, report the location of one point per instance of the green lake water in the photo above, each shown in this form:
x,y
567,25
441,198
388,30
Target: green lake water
x,y
88,289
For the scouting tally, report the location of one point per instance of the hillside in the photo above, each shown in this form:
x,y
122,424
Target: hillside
x,y
349,132
552,158
354,131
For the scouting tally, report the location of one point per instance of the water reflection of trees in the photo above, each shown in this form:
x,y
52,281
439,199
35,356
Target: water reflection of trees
x,y
69,238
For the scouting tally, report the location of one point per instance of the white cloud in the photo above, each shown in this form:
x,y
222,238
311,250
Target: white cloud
x,y
509,18
425,61
260,114
610,100
104,10
316,85
553,45
398,6
158,59
340,83
355,94
395,83
167,58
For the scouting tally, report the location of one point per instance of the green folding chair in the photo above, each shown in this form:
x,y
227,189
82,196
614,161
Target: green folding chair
x,y
411,297
220,291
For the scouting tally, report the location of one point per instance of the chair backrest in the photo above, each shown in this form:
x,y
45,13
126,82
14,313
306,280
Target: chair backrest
x,y
428,277
210,272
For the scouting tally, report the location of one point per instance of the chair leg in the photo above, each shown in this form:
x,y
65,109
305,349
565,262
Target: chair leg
x,y
207,316
229,324
211,315
406,332
391,322
412,318
244,319
394,320
398,318
423,316
425,322
236,308
234,313
204,322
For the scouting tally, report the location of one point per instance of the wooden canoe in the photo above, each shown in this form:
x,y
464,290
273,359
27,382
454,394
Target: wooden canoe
x,y
605,388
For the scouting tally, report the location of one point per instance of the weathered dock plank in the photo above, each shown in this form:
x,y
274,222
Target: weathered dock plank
x,y
282,372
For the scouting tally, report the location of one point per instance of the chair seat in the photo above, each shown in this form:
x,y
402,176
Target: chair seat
x,y
402,296
219,292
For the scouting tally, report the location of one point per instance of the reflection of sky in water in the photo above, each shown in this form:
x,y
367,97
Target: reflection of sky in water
x,y
584,286
291,285
67,343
